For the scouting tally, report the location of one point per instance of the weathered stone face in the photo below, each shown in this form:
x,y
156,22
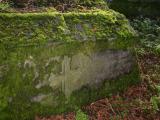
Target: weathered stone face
x,y
51,63
82,70
71,73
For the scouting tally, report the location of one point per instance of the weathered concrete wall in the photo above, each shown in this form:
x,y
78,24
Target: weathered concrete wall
x,y
74,72
54,62
130,8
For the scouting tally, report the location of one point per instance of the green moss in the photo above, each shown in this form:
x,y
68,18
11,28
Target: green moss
x,y
24,110
22,88
29,43
15,28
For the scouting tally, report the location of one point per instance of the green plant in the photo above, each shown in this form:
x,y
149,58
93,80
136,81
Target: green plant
x,y
158,48
140,51
80,115
148,33
155,100
156,103
4,6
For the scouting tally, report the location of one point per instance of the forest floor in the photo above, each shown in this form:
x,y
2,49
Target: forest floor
x,y
137,103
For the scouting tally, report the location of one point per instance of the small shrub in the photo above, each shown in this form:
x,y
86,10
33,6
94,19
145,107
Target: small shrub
x,y
149,33
158,48
4,6
156,103
80,115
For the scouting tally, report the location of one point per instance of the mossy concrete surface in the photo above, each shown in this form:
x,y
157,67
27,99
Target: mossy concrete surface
x,y
55,62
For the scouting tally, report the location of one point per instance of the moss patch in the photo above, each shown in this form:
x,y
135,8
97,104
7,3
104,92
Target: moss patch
x,y
31,48
16,30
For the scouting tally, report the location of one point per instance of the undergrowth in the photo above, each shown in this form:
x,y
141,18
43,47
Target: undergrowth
x,y
148,31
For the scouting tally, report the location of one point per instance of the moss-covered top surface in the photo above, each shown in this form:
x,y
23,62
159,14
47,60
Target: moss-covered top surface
x,y
48,27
